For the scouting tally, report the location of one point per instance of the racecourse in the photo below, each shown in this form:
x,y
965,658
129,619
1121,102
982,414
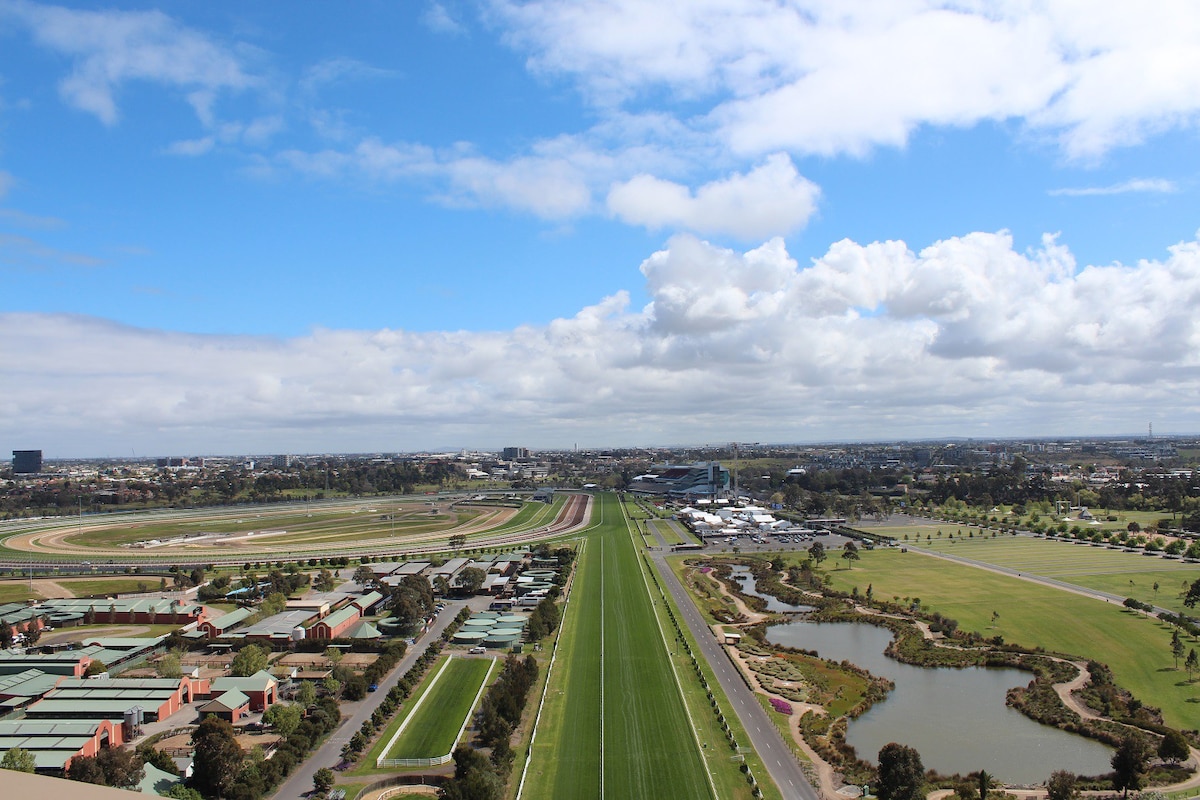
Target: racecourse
x,y
394,526
615,724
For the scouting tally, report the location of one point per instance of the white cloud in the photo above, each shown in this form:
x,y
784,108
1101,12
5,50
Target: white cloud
x,y
27,253
111,48
191,147
339,70
965,337
439,20
772,199
829,77
1156,185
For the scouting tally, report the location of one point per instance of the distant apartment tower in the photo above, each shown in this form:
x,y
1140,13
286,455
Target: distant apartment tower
x,y
27,462
165,463
281,462
514,453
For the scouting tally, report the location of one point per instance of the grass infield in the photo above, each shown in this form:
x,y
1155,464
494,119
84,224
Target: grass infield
x,y
434,729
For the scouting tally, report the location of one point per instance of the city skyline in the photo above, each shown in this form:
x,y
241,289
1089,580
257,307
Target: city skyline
x,y
432,225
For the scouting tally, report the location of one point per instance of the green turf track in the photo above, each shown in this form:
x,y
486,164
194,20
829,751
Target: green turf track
x,y
648,749
434,730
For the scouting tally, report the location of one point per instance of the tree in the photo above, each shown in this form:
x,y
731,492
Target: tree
x,y
218,757
323,780
364,576
901,774
306,694
112,766
95,668
1193,594
324,581
1191,664
985,782
273,604
1062,786
471,579
850,554
1129,764
249,660
1174,747
1177,648
333,655
283,718
19,760
817,553
457,541
168,666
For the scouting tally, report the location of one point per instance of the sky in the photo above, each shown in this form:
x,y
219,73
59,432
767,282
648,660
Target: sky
x,y
291,227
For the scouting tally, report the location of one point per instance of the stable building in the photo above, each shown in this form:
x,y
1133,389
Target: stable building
x,y
55,743
261,689
213,628
335,624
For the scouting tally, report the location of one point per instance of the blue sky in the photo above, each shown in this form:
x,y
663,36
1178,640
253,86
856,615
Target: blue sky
x,y
230,227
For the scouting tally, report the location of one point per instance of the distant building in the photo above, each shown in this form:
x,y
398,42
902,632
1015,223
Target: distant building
x,y
281,462
514,453
166,463
703,479
27,462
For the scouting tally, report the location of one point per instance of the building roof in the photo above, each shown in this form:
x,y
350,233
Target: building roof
x,y
232,619
226,701
364,630
367,600
258,682
28,683
29,784
339,616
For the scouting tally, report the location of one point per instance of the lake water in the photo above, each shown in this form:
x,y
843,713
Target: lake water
x,y
745,579
955,718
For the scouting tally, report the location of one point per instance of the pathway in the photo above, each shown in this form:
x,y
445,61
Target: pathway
x,y
782,766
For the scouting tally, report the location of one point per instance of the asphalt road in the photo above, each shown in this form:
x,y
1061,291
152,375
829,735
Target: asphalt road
x,y
300,783
764,736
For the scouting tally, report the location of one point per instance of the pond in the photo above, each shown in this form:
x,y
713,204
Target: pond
x,y
955,718
745,579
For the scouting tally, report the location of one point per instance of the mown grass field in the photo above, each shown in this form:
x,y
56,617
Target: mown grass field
x,y
1115,571
17,591
614,723
91,586
1136,647
434,729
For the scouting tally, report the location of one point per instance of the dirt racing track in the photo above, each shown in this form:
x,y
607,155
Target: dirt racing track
x,y
396,526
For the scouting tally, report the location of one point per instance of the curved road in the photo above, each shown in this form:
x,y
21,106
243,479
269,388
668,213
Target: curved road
x,y
764,736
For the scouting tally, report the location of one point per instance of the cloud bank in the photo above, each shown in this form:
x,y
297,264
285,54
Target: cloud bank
x,y
965,337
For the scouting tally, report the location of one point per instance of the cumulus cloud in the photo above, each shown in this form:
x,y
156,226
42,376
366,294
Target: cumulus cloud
x,y
772,199
1157,185
966,336
820,76
110,48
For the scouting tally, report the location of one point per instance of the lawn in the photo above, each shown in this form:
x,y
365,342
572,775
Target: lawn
x,y
566,752
1136,647
1114,571
434,729
615,723
106,586
17,591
